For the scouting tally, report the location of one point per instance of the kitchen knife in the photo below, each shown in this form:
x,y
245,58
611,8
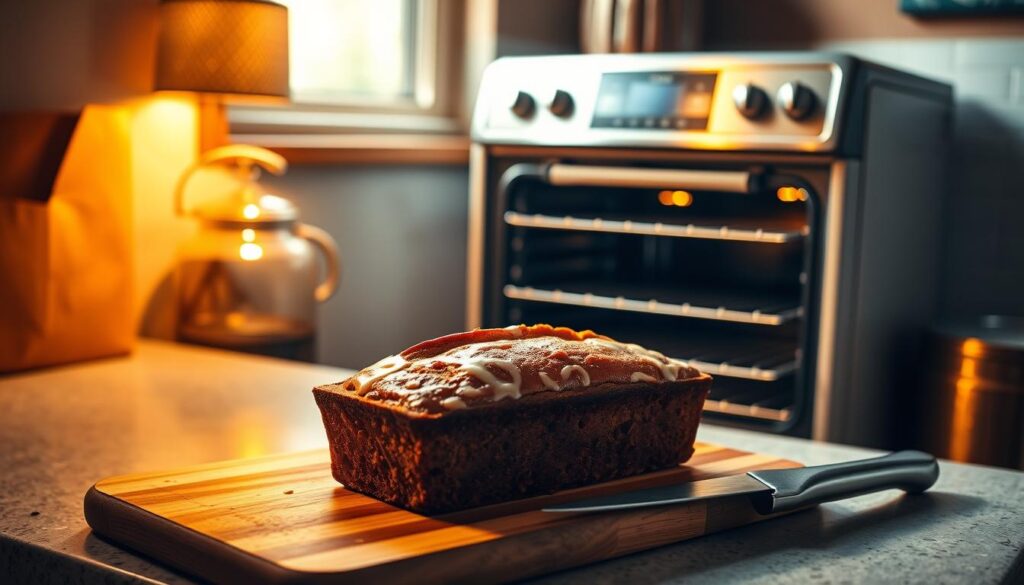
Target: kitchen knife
x,y
782,490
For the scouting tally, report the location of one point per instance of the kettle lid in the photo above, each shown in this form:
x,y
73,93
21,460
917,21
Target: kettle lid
x,y
253,209
247,203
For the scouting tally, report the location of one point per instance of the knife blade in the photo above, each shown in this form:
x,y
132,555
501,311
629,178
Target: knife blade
x,y
782,490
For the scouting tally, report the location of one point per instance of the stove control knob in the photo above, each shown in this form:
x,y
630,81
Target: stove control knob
x,y
561,104
523,105
750,100
796,99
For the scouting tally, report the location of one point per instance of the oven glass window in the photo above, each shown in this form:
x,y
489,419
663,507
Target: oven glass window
x,y
716,279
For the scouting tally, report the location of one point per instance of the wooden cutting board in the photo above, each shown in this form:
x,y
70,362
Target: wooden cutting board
x,y
284,519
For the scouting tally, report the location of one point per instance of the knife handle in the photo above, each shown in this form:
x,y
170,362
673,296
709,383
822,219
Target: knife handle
x,y
910,471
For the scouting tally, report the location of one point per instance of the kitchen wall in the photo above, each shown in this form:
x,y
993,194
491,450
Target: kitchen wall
x,y
984,268
984,60
537,27
401,231
984,247
164,131
61,55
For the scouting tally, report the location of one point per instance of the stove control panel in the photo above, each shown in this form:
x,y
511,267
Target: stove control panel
x,y
663,100
751,101
782,101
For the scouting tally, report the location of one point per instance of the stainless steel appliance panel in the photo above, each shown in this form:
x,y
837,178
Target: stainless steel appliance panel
x,y
771,218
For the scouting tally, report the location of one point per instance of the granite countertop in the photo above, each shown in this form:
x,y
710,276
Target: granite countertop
x,y
168,405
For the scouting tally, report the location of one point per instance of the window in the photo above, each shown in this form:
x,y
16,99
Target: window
x,y
351,50
382,65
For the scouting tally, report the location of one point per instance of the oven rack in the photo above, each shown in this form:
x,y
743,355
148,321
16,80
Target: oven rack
x,y
747,410
752,372
686,304
761,401
757,358
761,361
754,368
654,228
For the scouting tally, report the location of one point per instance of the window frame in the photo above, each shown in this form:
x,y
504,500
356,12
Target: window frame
x,y
437,104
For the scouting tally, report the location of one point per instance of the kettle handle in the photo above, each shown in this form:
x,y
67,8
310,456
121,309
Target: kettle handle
x,y
242,155
329,248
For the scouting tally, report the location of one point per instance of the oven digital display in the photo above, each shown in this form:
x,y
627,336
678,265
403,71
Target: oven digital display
x,y
661,100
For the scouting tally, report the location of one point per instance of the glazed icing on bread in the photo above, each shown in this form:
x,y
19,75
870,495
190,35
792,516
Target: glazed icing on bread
x,y
489,365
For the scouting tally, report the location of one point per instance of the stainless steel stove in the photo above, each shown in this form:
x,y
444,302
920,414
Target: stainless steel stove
x,y
772,218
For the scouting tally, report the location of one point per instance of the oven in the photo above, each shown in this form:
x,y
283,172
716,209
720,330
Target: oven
x,y
772,219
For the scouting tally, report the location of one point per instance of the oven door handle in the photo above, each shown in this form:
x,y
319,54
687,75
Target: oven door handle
x,y
597,176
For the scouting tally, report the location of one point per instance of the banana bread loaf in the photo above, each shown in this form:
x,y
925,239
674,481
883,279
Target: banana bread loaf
x,y
497,414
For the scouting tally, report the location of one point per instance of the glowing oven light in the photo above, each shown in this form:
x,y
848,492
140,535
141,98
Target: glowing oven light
x,y
675,198
251,211
791,194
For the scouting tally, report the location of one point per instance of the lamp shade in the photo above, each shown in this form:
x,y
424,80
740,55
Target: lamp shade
x,y
233,47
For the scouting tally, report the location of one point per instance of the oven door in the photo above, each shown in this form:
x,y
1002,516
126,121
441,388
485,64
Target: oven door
x,y
713,266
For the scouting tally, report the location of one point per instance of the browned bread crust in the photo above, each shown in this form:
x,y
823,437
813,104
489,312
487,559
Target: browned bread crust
x,y
490,450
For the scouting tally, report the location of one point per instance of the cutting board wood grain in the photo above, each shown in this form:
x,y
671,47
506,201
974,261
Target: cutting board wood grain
x,y
283,519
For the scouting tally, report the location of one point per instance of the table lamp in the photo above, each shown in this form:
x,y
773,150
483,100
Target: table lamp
x,y
225,50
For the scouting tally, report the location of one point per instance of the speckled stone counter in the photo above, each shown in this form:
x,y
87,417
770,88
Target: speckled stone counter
x,y
168,405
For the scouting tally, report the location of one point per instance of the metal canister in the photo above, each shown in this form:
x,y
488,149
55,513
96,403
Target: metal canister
x,y
972,401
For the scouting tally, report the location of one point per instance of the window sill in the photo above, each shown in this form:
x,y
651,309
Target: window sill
x,y
359,149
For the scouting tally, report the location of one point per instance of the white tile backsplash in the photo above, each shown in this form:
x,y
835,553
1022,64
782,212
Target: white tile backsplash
x,y
932,59
929,55
1017,86
983,81
976,67
940,55
971,52
984,250
884,52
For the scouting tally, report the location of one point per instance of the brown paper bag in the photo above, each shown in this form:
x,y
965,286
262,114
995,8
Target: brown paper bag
x,y
65,262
